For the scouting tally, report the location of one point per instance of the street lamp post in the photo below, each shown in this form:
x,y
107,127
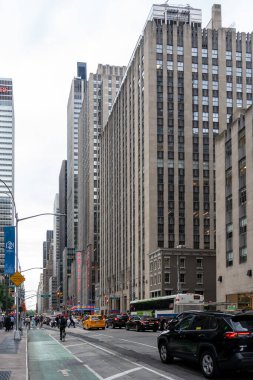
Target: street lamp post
x,y
25,270
17,334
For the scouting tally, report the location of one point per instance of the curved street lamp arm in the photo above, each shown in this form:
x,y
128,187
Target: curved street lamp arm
x,y
25,270
35,216
12,196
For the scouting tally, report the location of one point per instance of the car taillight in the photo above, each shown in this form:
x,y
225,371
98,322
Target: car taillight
x,y
232,334
116,319
156,322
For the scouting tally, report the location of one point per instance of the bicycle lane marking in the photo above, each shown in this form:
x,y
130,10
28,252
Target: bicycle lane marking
x,y
48,359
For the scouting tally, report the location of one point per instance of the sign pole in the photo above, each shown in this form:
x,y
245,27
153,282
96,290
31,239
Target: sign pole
x,y
17,334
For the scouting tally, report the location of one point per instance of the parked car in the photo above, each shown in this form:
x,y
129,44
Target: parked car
x,y
142,323
94,322
115,320
217,341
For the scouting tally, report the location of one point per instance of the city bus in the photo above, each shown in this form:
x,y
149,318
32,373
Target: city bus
x,y
167,307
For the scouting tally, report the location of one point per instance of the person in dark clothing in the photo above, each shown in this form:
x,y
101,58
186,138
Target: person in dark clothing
x,y
71,321
62,324
7,323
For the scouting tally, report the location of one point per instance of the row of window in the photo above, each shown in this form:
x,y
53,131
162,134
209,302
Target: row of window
x,y
180,51
155,280
156,264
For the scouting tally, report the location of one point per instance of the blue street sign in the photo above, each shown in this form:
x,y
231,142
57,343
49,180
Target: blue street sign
x,y
9,250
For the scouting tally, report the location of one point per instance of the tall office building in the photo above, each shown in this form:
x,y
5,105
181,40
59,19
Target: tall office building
x,y
46,246
63,220
74,105
7,160
102,89
56,239
234,180
157,179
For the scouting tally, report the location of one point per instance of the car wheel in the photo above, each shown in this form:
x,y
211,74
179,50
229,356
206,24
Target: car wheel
x,y
120,327
155,330
106,326
165,356
113,326
127,327
103,328
209,365
137,328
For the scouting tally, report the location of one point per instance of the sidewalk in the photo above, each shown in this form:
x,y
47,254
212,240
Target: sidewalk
x,y
12,356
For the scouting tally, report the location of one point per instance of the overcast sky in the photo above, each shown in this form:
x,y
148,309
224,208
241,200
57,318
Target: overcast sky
x,y
41,41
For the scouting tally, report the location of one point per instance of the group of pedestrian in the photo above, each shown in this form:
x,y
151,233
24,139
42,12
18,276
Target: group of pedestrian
x,y
7,321
33,321
55,320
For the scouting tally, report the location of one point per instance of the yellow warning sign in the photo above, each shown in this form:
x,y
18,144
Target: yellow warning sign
x,y
17,278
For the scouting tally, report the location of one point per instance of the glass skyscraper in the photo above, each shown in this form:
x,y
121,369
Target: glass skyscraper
x,y
7,140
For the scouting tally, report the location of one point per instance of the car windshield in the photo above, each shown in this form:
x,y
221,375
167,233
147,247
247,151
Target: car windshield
x,y
242,322
96,318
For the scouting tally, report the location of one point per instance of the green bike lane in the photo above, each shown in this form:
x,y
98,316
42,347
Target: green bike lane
x,y
48,359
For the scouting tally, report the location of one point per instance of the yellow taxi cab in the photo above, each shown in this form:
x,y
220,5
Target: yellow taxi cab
x,y
94,322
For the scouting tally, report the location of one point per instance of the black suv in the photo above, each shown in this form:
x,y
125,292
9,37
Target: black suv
x,y
116,320
218,341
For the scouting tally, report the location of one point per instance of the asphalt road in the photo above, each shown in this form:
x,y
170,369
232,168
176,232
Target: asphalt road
x,y
105,355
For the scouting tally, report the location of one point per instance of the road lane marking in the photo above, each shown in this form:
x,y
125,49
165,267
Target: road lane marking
x,y
142,344
129,361
79,360
94,372
74,345
100,348
65,372
160,374
123,373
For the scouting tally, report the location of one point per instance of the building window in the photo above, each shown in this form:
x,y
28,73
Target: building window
x,y
159,48
243,225
182,278
199,278
243,255
200,263
167,278
195,52
242,196
229,230
182,262
229,259
166,262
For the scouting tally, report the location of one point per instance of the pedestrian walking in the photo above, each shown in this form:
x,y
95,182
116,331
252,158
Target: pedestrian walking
x,y
62,324
1,321
12,322
41,320
71,321
7,323
28,322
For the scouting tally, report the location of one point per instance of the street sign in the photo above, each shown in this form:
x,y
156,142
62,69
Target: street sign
x,y
17,278
45,295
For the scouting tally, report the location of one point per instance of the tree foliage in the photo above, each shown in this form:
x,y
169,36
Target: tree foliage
x,y
6,301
